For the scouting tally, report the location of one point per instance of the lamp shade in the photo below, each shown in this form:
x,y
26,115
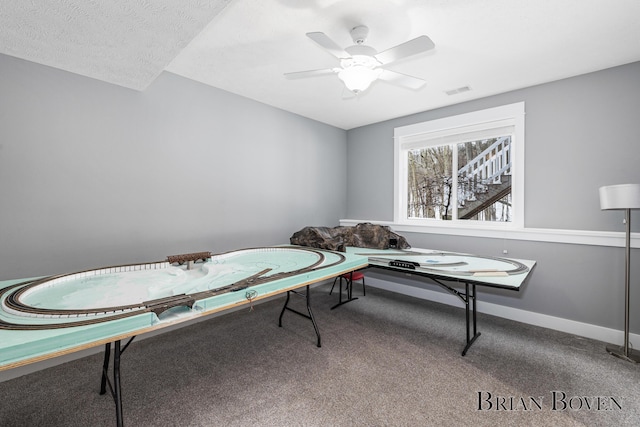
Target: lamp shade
x,y
622,196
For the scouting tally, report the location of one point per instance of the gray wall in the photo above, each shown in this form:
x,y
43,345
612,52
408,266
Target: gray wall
x,y
581,133
93,174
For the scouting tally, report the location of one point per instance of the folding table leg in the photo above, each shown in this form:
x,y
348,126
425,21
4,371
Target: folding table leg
x,y
349,289
115,387
470,314
309,314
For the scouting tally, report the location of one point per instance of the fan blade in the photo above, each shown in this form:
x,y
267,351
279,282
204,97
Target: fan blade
x,y
347,94
328,44
400,79
310,73
409,48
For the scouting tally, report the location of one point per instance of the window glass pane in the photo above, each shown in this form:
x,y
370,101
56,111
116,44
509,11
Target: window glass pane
x,y
430,182
484,180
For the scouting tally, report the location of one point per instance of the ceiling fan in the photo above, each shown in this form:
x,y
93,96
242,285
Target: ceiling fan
x,y
361,65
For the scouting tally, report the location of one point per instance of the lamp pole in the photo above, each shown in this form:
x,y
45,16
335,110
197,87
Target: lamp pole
x,y
627,274
625,197
626,353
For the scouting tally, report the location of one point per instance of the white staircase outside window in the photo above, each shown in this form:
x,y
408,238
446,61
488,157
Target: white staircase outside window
x,y
485,179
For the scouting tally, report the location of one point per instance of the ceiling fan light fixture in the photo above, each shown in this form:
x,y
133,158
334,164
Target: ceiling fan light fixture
x,y
359,72
358,78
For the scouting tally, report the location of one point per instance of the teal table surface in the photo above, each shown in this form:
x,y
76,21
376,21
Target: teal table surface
x,y
279,269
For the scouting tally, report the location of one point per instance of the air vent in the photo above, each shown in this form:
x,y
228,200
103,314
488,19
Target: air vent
x,y
458,90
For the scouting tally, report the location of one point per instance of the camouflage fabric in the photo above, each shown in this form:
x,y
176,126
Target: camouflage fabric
x,y
364,235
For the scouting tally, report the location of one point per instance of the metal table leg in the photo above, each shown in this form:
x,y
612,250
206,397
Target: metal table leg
x,y
470,299
308,315
349,289
114,388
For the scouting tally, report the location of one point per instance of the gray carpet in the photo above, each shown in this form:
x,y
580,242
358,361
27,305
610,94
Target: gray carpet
x,y
386,360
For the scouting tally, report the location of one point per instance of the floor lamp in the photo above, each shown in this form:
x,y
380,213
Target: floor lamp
x,y
626,197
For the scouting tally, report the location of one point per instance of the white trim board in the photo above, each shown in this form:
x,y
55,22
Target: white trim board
x,y
549,235
586,330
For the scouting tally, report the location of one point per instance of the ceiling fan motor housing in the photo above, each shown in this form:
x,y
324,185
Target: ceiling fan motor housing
x,y
359,34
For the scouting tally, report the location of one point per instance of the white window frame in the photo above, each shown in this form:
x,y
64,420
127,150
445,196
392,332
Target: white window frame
x,y
446,129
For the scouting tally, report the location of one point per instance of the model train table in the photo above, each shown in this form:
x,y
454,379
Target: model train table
x,y
47,317
450,271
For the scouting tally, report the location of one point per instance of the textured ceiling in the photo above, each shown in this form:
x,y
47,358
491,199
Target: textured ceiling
x,y
245,46
124,42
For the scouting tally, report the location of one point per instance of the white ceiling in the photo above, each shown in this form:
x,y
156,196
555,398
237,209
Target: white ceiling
x,y
245,46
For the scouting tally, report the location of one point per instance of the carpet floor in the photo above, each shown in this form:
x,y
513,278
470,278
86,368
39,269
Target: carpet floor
x,y
386,360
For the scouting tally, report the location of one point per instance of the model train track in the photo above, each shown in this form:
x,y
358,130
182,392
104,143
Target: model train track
x,y
441,267
12,298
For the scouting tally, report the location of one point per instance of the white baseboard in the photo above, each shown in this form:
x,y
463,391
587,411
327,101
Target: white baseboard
x,y
537,319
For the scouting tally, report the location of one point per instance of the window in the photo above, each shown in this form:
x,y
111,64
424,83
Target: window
x,y
462,170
